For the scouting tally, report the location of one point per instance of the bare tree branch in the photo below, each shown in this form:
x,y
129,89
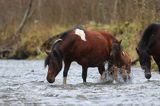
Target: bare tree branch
x,y
24,20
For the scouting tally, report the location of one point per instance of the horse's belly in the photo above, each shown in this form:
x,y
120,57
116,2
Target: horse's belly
x,y
92,62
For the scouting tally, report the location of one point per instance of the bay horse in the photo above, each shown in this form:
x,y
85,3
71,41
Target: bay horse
x,y
119,59
87,48
148,46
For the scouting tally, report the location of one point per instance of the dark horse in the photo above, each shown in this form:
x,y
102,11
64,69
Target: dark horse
x,y
148,46
87,48
119,59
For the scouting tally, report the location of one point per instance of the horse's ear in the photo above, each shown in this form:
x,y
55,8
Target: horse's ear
x,y
120,41
137,50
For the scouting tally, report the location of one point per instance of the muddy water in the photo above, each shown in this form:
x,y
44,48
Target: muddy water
x,y
24,83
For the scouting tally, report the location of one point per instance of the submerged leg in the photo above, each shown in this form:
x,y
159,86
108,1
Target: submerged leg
x,y
101,70
84,73
65,72
115,74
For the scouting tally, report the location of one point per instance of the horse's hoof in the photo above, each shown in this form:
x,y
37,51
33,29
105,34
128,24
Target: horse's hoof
x,y
125,79
84,83
103,76
129,77
64,80
64,83
114,82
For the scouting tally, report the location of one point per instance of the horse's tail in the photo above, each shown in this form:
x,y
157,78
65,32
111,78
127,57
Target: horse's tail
x,y
134,61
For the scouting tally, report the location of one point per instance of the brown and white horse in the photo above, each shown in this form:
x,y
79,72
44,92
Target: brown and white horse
x,y
87,48
119,59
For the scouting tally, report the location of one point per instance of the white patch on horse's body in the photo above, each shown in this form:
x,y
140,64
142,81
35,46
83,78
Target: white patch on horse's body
x,y
81,34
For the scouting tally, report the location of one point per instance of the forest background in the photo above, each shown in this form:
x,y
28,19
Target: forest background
x,y
126,19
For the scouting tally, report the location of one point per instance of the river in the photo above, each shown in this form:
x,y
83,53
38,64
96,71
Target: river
x,y
23,82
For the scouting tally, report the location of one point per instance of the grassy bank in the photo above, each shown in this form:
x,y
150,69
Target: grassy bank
x,y
35,35
129,33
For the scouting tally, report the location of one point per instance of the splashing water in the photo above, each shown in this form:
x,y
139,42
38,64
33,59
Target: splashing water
x,y
24,83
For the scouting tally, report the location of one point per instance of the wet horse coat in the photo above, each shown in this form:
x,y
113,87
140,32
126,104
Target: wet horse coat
x,y
148,46
87,48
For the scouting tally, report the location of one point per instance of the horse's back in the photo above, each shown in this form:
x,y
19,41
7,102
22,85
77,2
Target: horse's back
x,y
92,51
155,39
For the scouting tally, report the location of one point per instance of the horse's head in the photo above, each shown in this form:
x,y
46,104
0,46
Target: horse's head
x,y
54,63
145,61
116,48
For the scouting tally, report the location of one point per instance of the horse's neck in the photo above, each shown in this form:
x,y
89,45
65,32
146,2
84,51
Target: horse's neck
x,y
116,57
66,46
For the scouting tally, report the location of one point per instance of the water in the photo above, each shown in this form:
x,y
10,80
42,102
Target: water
x,y
24,83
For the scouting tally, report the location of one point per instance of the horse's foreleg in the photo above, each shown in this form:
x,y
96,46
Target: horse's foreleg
x,y
115,74
124,73
65,72
129,71
101,70
109,68
84,74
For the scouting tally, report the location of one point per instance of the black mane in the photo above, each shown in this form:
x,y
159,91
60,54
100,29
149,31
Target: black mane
x,y
148,32
46,62
64,34
55,52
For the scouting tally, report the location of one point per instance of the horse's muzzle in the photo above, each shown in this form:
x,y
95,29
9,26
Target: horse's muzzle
x,y
148,75
51,80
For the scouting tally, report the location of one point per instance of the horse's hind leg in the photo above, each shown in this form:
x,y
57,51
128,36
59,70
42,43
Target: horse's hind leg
x,y
101,70
65,72
84,73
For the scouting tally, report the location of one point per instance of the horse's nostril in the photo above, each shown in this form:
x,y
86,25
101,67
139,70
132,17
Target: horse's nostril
x,y
148,76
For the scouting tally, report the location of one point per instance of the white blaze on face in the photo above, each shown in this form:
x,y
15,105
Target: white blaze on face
x,y
81,34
